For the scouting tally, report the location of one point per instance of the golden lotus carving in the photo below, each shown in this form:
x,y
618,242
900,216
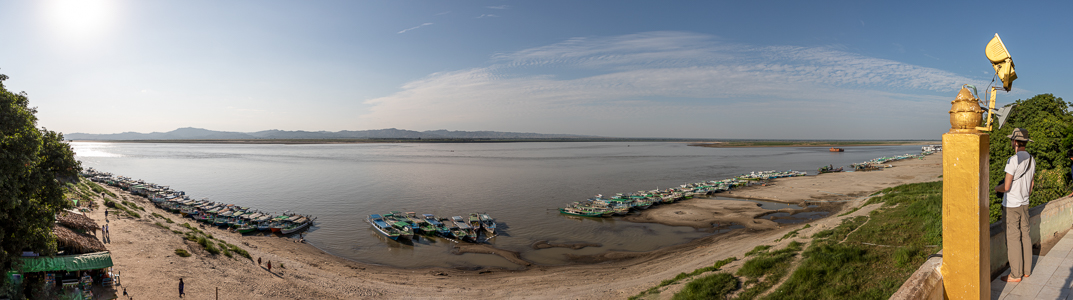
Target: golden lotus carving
x,y
965,113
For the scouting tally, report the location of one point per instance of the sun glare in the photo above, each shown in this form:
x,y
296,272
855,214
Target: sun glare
x,y
80,19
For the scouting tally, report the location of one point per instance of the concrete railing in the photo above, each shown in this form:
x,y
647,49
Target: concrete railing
x,y
1048,222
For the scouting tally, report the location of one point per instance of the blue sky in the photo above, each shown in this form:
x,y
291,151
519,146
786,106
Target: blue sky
x,y
688,69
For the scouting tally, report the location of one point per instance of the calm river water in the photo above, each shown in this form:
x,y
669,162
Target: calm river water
x,y
519,184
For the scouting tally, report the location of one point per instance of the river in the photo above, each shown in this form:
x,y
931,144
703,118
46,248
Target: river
x,y
519,184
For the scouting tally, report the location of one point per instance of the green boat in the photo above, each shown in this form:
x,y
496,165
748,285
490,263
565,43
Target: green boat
x,y
582,212
247,228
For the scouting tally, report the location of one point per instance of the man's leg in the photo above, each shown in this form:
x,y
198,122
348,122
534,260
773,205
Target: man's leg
x,y
1026,240
1013,242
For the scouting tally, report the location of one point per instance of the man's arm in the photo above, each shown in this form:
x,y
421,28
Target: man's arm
x,y
1005,186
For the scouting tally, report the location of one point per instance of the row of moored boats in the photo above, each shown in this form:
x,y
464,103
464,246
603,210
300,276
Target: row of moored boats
x,y
623,203
405,226
877,163
241,219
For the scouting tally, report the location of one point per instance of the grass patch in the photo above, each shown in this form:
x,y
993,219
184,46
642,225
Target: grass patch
x,y
839,266
207,244
98,189
239,251
792,234
161,225
758,250
767,269
164,218
132,205
182,252
121,206
655,290
839,233
715,286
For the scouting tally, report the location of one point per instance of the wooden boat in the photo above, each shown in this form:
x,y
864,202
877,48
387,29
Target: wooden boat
x,y
296,224
423,226
221,218
474,221
277,223
465,232
264,223
383,227
833,149
580,212
398,216
247,228
829,169
488,223
440,227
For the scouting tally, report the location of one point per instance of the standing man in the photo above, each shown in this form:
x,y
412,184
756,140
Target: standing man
x,y
1020,169
181,286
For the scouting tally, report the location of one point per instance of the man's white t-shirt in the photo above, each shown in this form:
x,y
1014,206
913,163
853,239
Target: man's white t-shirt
x,y
1022,167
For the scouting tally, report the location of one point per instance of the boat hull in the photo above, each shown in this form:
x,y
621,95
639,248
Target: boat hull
x,y
295,228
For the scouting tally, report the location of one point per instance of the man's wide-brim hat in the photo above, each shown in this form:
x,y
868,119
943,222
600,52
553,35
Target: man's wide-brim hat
x,y
1020,134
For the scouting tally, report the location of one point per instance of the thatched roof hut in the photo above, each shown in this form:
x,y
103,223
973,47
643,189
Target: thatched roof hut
x,y
77,221
78,242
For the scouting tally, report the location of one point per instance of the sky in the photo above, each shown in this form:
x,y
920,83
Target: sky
x,y
671,69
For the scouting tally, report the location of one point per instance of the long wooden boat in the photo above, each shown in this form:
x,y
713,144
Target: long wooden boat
x,y
580,212
277,223
464,232
487,223
247,228
296,225
383,227
441,228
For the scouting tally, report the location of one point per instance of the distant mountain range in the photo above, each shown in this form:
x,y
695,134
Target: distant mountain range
x,y
190,133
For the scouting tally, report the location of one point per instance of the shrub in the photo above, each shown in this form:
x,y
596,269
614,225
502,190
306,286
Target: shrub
x,y
182,252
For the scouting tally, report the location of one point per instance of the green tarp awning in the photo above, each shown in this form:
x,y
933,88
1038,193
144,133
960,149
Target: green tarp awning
x,y
79,262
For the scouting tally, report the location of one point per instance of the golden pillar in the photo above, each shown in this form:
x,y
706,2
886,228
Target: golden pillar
x,y
966,265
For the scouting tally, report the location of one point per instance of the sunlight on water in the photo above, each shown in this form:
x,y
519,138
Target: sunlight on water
x,y
86,149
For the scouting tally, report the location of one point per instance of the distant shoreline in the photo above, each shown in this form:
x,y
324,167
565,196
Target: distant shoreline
x,y
693,142
810,144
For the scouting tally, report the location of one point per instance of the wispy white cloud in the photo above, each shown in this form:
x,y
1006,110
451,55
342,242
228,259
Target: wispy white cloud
x,y
640,82
499,7
487,16
443,13
415,27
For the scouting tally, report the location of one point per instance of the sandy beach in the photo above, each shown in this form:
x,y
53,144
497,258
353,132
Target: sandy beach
x,y
145,252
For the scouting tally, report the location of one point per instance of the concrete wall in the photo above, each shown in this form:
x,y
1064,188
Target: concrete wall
x,y
1048,222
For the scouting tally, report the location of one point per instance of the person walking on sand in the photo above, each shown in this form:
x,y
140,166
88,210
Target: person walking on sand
x,y
270,266
181,286
1016,188
258,261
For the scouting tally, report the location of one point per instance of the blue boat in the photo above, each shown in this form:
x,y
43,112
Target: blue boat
x,y
383,227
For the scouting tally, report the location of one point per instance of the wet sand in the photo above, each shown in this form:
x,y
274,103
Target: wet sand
x,y
145,252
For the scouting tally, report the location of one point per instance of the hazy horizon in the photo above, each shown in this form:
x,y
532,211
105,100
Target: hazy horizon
x,y
706,70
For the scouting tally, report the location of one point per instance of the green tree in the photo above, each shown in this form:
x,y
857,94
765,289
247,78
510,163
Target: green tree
x,y
1050,124
34,162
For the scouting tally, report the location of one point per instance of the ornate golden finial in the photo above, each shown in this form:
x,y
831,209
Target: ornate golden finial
x,y
965,113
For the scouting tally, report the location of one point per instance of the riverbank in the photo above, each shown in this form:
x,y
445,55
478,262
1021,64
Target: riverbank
x,y
746,144
145,253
